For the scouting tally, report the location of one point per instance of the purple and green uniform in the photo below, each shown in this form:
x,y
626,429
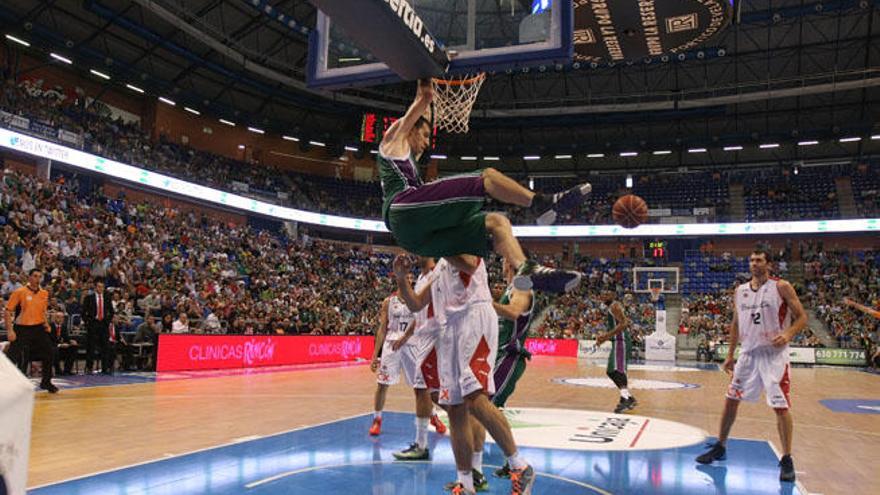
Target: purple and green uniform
x,y
512,353
621,346
442,218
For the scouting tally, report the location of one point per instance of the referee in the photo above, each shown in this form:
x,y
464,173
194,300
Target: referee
x,y
30,335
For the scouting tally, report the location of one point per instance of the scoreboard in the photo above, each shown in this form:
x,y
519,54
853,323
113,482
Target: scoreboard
x,y
375,125
656,249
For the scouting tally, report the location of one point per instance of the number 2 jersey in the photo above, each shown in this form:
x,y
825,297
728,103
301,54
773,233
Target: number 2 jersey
x,y
762,314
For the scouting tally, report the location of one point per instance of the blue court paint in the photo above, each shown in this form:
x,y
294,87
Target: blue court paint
x,y
857,406
339,458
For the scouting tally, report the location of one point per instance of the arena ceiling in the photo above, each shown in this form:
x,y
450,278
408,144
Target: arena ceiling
x,y
784,71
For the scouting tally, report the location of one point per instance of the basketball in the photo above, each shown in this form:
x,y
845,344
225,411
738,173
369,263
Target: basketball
x,y
630,211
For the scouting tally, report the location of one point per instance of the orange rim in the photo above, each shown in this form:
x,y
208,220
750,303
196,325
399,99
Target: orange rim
x,y
459,82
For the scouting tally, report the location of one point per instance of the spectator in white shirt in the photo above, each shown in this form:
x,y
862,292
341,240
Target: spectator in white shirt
x,y
181,324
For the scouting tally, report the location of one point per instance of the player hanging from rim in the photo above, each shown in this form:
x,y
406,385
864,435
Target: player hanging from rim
x,y
394,320
466,352
618,332
445,218
767,315
517,311
419,360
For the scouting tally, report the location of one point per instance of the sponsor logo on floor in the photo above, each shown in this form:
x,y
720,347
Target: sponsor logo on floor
x,y
593,430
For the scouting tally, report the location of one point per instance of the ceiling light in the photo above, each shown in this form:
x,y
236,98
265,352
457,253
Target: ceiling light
x,y
807,143
167,101
733,148
290,138
596,155
60,58
192,111
491,158
134,88
563,157
255,130
663,152
317,143
100,74
769,146
629,153
850,139
697,150
230,124
17,40
438,157
350,148
468,158
531,157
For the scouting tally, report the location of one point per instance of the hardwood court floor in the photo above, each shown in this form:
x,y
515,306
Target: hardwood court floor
x,y
87,430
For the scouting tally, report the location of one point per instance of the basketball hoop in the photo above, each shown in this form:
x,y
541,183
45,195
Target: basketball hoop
x,y
655,294
453,100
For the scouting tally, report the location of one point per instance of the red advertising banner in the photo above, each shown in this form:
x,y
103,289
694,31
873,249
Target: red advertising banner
x,y
553,347
208,352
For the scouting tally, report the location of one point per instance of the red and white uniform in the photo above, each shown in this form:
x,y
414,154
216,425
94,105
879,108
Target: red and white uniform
x,y
468,340
762,314
418,356
399,317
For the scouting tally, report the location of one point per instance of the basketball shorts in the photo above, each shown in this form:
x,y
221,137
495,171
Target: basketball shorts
x,y
389,365
509,368
442,218
466,353
760,370
414,356
621,350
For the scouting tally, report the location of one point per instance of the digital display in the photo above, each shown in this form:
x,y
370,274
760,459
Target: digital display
x,y
374,126
656,249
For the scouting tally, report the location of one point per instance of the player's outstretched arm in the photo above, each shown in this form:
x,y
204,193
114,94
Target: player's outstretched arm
x,y
864,309
799,316
396,135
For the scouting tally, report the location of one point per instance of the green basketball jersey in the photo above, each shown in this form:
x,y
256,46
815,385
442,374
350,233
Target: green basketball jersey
x,y
396,175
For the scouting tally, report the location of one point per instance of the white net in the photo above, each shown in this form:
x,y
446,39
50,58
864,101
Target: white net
x,y
453,100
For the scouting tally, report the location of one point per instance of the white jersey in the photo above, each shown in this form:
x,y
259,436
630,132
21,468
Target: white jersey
x,y
463,290
762,314
399,317
425,321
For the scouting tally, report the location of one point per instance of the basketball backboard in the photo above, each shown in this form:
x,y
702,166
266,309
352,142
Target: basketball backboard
x,y
665,278
371,42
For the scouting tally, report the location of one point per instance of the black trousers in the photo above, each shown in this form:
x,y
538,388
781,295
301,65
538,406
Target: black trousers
x,y
98,339
33,343
68,356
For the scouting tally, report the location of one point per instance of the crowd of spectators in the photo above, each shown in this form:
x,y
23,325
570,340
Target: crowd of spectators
x,y
831,277
782,197
581,314
178,272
